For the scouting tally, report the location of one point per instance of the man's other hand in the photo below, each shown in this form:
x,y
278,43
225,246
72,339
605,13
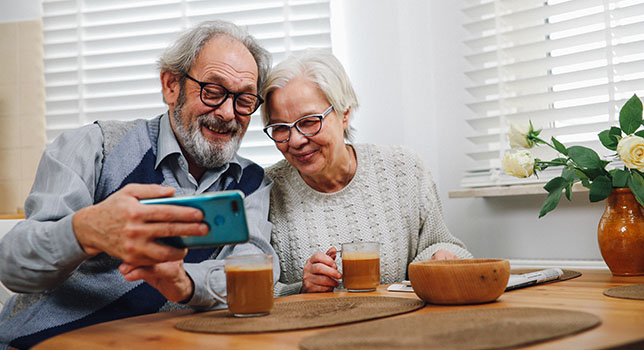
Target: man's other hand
x,y
169,278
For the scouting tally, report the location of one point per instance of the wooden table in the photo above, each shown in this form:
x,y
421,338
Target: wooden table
x,y
622,320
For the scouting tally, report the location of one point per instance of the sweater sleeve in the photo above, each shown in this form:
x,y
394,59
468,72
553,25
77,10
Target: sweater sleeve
x,y
434,234
283,289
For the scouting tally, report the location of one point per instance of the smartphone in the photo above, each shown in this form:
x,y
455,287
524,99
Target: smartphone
x,y
224,213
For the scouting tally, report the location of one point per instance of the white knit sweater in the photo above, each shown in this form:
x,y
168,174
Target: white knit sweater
x,y
392,199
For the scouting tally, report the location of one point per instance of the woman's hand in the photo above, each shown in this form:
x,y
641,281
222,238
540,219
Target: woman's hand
x,y
321,272
443,255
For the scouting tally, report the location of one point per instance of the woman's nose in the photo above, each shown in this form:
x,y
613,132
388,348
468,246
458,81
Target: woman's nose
x,y
297,139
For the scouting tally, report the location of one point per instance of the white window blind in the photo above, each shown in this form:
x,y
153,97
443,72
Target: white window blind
x,y
99,55
567,65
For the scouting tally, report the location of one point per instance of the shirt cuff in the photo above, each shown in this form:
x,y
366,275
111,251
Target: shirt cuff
x,y
67,250
201,296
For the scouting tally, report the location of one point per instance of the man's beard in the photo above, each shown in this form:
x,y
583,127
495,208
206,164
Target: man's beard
x,y
204,152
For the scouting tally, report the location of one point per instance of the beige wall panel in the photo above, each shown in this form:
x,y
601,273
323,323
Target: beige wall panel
x,y
22,111
8,100
9,132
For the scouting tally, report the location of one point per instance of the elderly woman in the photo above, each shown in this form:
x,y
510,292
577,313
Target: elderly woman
x,y
328,192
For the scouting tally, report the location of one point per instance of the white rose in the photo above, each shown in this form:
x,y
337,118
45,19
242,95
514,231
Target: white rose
x,y
631,151
517,135
519,163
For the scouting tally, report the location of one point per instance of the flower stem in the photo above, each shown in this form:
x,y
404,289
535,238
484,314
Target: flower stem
x,y
550,162
538,140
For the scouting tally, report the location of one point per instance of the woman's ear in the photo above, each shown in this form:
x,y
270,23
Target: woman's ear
x,y
170,87
345,118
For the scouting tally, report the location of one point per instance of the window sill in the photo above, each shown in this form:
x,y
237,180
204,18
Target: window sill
x,y
504,191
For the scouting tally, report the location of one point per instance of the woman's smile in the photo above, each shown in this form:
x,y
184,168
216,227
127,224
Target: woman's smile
x,y
304,157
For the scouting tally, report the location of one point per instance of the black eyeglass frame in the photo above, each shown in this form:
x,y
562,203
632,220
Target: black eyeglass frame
x,y
202,84
294,124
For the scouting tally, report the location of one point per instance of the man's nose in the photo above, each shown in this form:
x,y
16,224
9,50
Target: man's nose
x,y
226,110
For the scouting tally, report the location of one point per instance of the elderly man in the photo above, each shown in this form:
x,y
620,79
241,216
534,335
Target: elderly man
x,y
87,252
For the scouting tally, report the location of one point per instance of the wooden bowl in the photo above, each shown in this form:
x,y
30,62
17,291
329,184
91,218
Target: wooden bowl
x,y
468,281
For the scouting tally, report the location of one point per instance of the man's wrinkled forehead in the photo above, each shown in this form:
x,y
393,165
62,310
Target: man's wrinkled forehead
x,y
223,58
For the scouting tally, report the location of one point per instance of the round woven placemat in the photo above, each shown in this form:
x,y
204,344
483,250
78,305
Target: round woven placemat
x,y
303,314
489,328
634,291
567,274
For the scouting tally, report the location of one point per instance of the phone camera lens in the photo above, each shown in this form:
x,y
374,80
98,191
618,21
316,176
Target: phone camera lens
x,y
234,206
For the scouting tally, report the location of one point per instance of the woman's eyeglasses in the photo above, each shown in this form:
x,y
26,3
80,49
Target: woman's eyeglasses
x,y
308,125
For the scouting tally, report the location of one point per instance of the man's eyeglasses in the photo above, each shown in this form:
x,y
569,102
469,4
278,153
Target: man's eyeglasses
x,y
308,125
214,95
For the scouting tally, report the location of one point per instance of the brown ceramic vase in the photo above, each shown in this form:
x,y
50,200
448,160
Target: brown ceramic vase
x,y
621,234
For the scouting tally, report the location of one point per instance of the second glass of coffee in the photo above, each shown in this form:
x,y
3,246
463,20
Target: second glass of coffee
x,y
361,266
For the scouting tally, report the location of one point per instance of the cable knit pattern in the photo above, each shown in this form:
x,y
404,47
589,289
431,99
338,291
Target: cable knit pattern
x,y
392,199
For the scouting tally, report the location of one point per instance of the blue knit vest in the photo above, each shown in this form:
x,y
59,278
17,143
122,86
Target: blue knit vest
x,y
96,292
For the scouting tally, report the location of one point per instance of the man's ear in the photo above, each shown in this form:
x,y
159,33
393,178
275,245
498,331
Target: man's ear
x,y
170,87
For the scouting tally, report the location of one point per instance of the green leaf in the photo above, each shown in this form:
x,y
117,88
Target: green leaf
x,y
630,116
568,192
636,184
557,183
600,188
608,139
570,174
551,202
580,175
640,133
532,131
584,157
585,182
594,173
620,177
559,146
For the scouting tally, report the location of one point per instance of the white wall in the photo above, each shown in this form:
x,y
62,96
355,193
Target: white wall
x,y
20,10
405,60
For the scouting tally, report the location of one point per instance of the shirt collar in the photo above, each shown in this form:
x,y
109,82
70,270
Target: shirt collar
x,y
167,143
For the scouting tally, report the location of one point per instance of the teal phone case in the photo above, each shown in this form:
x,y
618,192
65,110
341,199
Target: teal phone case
x,y
224,212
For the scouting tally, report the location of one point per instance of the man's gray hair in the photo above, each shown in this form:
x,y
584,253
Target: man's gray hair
x,y
321,68
180,56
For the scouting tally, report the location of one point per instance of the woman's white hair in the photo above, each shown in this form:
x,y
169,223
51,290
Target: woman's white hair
x,y
321,68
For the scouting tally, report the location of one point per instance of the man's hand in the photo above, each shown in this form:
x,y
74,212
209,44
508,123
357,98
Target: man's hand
x,y
169,278
443,255
126,229
321,272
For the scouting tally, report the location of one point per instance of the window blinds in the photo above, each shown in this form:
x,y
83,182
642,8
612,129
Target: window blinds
x,y
567,65
100,55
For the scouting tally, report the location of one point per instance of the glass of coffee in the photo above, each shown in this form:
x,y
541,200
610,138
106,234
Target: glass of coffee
x,y
361,266
249,284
